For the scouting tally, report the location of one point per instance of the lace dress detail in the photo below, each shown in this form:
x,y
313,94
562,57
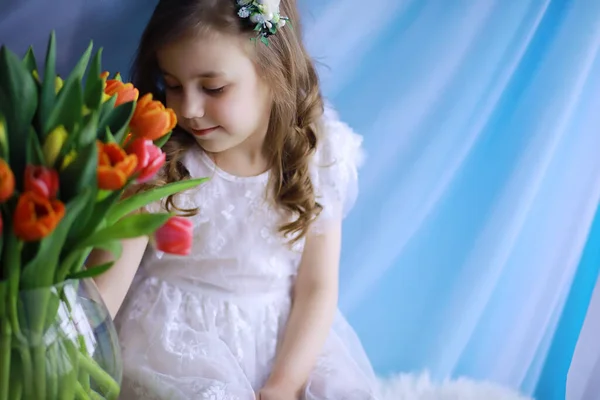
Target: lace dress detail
x,y
206,326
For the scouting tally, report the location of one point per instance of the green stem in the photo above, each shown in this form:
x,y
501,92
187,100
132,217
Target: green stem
x,y
12,259
52,368
70,367
27,373
96,396
16,376
84,377
105,382
5,353
16,389
39,370
80,392
37,311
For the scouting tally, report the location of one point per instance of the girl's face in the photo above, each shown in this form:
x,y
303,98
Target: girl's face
x,y
213,87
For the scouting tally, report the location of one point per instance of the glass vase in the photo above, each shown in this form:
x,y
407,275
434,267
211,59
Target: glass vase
x,y
59,342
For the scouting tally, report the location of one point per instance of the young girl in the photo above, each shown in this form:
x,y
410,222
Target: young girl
x,y
251,313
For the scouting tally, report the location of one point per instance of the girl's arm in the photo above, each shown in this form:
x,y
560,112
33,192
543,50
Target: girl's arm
x,y
313,309
114,283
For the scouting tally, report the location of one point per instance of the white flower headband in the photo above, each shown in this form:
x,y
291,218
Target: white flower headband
x,y
264,14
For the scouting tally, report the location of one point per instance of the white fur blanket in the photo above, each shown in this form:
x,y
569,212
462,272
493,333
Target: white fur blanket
x,y
421,387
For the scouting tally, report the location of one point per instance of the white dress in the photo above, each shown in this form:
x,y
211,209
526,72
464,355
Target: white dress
x,y
207,326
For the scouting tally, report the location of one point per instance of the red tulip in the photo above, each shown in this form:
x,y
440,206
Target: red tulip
x,y
150,158
175,236
41,180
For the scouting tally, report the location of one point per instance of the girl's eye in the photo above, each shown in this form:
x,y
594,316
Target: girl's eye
x,y
173,87
214,91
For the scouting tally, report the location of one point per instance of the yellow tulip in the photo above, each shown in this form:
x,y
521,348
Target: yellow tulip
x,y
58,84
3,144
69,158
54,143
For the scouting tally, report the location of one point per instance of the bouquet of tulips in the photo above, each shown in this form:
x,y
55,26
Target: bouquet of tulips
x,y
68,152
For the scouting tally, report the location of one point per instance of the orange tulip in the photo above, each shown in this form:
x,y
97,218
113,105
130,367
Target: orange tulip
x,y
151,120
36,216
7,181
125,92
114,166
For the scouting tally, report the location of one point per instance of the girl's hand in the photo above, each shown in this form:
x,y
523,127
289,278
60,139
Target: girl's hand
x,y
272,393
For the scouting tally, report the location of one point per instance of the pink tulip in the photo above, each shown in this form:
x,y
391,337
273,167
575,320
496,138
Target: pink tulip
x,y
175,236
41,180
150,158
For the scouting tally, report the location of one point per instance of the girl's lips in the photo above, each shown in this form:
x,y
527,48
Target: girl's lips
x,y
204,132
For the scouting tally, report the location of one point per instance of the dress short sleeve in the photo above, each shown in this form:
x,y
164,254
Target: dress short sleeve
x,y
335,167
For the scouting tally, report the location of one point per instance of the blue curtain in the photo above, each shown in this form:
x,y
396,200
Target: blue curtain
x,y
480,119
472,249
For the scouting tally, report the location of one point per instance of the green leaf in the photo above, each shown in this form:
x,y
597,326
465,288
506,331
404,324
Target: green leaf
x,y
115,248
18,103
127,228
160,142
81,173
264,40
141,199
3,299
91,272
35,155
118,120
109,136
105,110
48,94
29,61
94,85
40,271
89,132
93,216
68,108
80,67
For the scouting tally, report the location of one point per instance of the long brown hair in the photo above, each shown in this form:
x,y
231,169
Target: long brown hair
x,y
297,103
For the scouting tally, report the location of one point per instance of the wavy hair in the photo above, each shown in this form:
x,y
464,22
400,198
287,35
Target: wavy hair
x,y
297,103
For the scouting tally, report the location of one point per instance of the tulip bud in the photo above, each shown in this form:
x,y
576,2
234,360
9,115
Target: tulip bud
x,y
58,84
115,166
175,236
125,92
151,120
150,158
36,217
7,181
41,180
53,144
3,142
